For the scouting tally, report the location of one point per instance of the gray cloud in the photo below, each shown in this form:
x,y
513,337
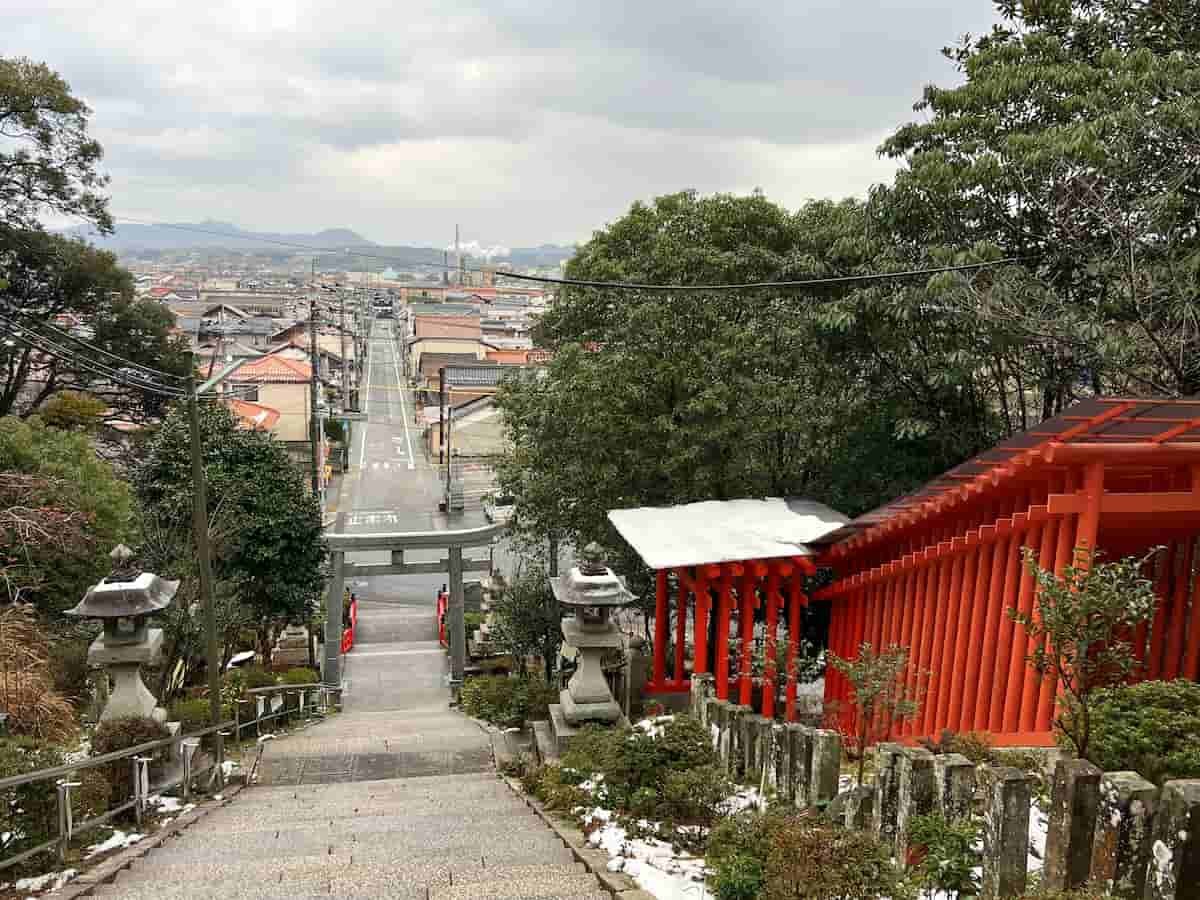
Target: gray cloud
x,y
527,120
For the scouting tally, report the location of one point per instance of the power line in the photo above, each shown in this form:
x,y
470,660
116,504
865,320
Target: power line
x,y
31,324
828,281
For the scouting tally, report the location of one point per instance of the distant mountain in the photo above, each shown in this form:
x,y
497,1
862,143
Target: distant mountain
x,y
213,235
210,234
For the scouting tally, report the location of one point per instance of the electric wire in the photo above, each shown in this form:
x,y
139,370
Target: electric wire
x,y
826,281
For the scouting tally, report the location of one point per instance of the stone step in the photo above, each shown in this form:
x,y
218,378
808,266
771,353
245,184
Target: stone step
x,y
519,818
300,818
542,885
428,867
466,844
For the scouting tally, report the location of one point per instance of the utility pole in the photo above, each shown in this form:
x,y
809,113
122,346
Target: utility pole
x,y
441,415
345,362
200,526
314,429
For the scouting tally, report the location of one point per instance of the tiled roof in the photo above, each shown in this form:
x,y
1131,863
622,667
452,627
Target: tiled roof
x,y
431,362
273,370
476,376
446,326
254,416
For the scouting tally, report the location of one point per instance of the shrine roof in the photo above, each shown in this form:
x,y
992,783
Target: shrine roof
x,y
718,531
1148,427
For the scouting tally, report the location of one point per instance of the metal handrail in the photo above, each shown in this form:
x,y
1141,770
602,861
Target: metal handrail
x,y
67,768
67,828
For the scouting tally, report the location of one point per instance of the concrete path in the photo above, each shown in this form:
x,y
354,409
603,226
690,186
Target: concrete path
x,y
395,797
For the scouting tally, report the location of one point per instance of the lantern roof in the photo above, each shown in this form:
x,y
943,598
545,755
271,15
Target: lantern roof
x,y
590,583
113,599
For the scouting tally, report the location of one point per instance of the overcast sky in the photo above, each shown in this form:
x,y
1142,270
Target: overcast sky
x,y
528,121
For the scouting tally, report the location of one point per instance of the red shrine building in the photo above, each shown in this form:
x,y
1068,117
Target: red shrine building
x,y
935,571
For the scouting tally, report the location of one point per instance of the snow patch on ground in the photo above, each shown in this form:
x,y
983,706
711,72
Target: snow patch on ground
x,y
651,863
80,753
50,881
653,727
119,841
168,804
230,767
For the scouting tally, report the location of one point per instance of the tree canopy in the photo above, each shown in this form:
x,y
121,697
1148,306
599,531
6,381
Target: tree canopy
x,y
272,554
50,161
65,510
1070,144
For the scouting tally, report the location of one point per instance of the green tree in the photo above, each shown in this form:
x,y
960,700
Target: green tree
x,y
1080,629
1071,143
92,512
48,277
49,162
273,554
528,619
880,698
843,395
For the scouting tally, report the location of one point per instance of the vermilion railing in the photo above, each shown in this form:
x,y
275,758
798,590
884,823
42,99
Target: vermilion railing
x,y
443,600
348,633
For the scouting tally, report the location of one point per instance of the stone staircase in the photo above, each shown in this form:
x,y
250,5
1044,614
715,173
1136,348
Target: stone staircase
x,y
426,838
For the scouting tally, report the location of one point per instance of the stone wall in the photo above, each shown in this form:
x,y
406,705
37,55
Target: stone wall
x,y
1113,831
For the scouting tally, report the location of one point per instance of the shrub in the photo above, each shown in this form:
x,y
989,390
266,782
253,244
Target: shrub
x,y
27,691
300,675
1025,760
505,701
121,734
31,809
807,858
974,745
695,796
1152,727
192,715
256,677
472,621
949,859
738,877
69,668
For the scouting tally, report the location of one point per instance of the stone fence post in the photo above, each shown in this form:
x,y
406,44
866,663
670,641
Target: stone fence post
x,y
955,778
801,739
916,796
826,766
1005,833
1074,799
1124,832
1174,871
887,794
737,740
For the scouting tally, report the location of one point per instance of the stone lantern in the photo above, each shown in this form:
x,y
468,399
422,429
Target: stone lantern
x,y
590,590
123,602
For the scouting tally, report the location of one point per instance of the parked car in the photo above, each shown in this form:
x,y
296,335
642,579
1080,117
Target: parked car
x,y
498,509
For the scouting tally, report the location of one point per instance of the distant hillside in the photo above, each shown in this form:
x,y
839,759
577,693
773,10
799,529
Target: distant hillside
x,y
212,235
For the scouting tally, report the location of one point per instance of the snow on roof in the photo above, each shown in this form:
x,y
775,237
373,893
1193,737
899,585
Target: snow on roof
x,y
717,531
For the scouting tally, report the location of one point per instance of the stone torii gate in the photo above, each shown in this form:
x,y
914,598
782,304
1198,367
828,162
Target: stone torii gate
x,y
453,540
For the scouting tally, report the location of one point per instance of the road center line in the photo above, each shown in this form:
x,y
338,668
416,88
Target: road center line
x,y
400,391
365,393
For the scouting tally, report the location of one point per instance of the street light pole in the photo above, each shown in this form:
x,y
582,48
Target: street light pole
x,y
314,431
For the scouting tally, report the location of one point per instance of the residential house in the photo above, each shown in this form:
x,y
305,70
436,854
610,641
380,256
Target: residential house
x,y
254,416
281,384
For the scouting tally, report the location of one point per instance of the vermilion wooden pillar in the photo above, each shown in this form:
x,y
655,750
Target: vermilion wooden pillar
x,y
1063,552
1191,661
659,671
1004,632
1011,716
962,646
1031,682
920,604
1158,626
933,658
700,621
1183,582
945,662
770,648
680,628
795,599
724,613
994,600
746,634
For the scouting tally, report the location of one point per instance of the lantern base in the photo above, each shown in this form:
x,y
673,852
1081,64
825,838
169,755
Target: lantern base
x,y
130,696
